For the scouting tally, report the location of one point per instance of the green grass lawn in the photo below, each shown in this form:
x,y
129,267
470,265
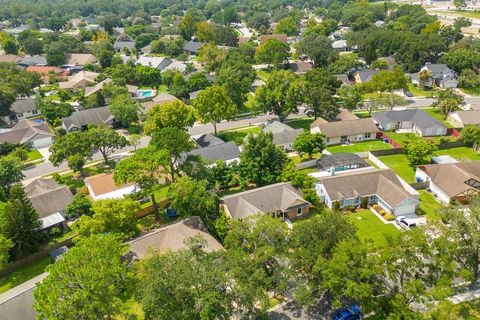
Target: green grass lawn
x,y
429,206
471,91
360,146
401,138
238,135
417,91
461,153
437,115
400,165
23,274
34,154
302,123
264,75
463,13
371,227
160,195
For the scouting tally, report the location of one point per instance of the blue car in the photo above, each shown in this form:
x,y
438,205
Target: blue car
x,y
352,312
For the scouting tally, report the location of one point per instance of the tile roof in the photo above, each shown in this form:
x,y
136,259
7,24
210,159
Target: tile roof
x,y
9,58
173,237
268,199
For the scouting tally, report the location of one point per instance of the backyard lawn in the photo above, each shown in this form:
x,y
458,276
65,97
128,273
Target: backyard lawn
x,y
461,153
400,165
238,135
360,146
302,123
23,274
403,137
429,206
416,91
437,115
34,154
371,227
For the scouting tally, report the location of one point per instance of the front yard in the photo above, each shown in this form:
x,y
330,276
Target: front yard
x,y
34,154
371,227
23,274
361,146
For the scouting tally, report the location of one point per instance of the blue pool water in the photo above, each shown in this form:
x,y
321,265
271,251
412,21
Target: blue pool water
x,y
144,93
39,120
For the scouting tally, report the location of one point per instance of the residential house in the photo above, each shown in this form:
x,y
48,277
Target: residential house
x,y
176,66
96,88
159,63
121,45
192,47
160,99
81,119
340,162
33,133
212,149
451,181
344,79
172,237
279,200
9,58
390,61
194,94
379,23
20,109
102,186
460,119
283,135
340,45
413,120
301,67
46,71
440,75
345,131
79,81
380,186
76,61
280,37
50,200
364,75
28,61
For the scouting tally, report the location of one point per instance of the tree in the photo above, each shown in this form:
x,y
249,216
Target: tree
x,y
309,143
287,26
469,79
5,246
19,222
471,135
386,100
10,173
188,25
460,4
261,162
448,101
9,45
125,109
145,169
106,141
424,78
197,81
280,95
174,142
116,216
211,56
273,52
87,282
214,105
460,59
53,110
170,114
237,76
387,81
75,147
418,150
319,49
193,198
350,97
79,206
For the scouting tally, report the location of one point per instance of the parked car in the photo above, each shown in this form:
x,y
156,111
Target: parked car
x,y
352,312
404,223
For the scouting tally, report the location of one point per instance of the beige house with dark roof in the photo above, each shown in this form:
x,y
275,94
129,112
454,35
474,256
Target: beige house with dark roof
x,y
460,119
380,186
348,129
173,237
279,200
450,181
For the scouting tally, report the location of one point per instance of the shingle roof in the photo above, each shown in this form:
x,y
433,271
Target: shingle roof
x,y
418,117
77,78
366,74
224,151
99,86
89,116
48,197
340,159
25,131
206,140
23,105
344,78
120,45
176,65
152,62
300,67
79,59
160,100
281,37
345,128
282,133
269,199
381,182
173,237
469,116
193,46
451,177
9,58
346,115
33,61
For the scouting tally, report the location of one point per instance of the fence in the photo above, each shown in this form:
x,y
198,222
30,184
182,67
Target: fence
x,y
150,209
306,164
43,252
420,185
386,152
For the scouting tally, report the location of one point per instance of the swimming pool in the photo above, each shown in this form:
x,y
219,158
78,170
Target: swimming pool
x,y
145,94
39,121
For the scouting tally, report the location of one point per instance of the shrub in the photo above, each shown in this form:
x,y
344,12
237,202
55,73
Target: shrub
x,y
382,212
336,206
389,217
364,204
349,208
55,231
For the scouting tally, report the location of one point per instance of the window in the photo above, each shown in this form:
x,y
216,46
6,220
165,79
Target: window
x,y
328,139
299,211
19,115
367,135
34,111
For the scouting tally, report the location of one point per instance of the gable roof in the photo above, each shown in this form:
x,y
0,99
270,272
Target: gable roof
x,y
381,182
44,70
153,62
418,117
221,151
451,177
78,78
268,199
25,131
88,116
9,58
344,78
79,59
345,115
103,183
23,105
366,74
120,45
99,86
437,68
282,133
48,197
193,46
33,61
176,65
281,37
206,140
468,116
345,128
159,99
173,237
300,67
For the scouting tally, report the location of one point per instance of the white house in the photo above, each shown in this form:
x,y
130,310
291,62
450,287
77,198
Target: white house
x,y
102,186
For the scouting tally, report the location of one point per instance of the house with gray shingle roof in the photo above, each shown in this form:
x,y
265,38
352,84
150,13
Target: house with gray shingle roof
x,y
460,119
365,75
212,149
120,45
192,47
440,75
279,200
283,135
32,61
34,133
20,109
380,186
414,120
81,119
